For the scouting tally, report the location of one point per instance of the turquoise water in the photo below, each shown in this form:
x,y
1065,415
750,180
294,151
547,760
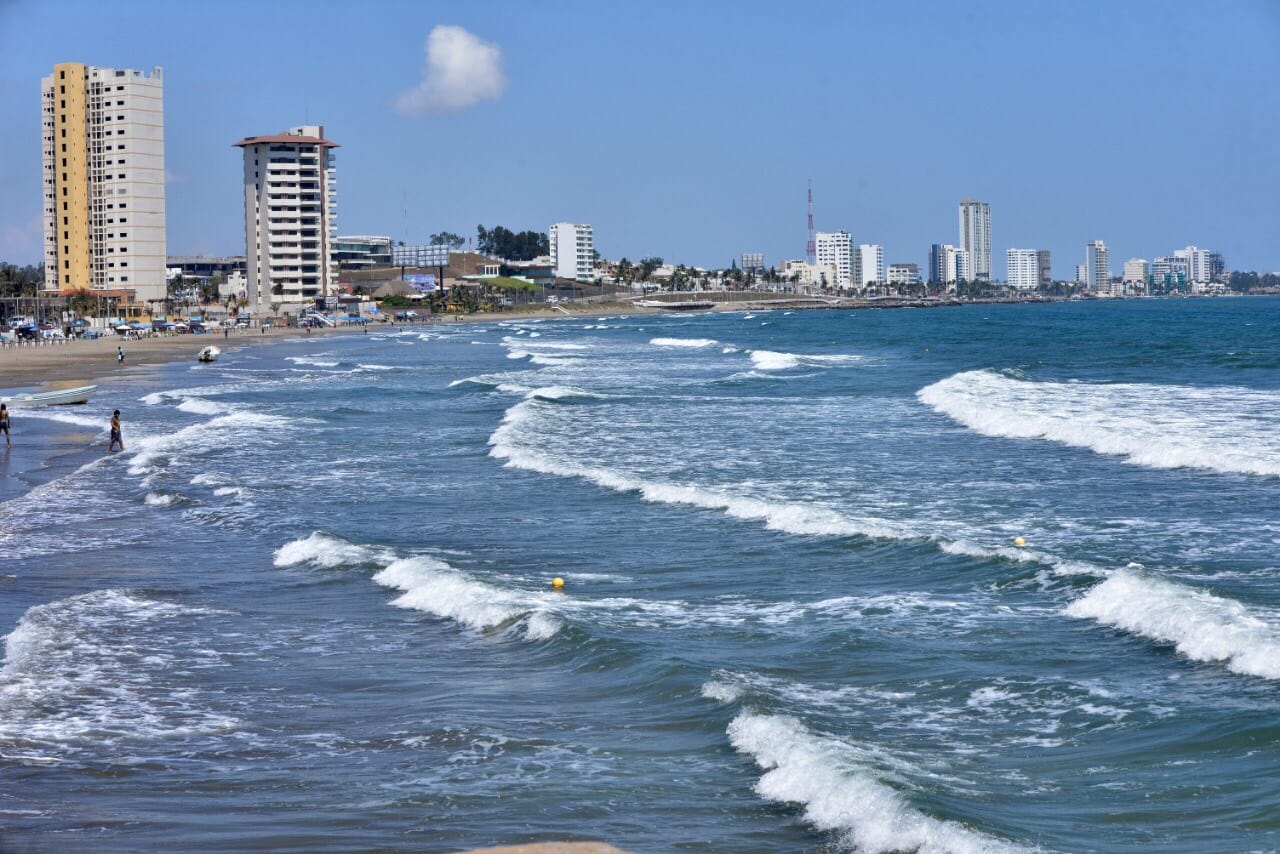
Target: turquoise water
x,y
310,608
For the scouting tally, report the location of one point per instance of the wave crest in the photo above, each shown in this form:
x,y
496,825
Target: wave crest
x,y
1200,625
840,790
1222,428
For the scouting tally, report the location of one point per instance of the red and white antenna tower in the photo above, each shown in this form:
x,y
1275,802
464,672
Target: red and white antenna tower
x,y
811,251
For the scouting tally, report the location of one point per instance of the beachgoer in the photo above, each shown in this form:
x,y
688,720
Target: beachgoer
x,y
225,333
119,355
4,424
115,431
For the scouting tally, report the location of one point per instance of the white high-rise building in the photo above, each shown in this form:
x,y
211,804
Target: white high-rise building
x,y
572,250
871,264
1136,271
290,217
1024,268
975,236
964,266
1198,267
836,248
1096,267
103,159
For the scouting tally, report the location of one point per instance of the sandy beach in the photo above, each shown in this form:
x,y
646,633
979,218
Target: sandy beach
x,y
73,363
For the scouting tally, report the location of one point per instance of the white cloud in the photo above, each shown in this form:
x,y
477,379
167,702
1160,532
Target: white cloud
x,y
460,70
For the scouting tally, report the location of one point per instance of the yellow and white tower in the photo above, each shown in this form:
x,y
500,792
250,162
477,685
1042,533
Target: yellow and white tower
x,y
104,211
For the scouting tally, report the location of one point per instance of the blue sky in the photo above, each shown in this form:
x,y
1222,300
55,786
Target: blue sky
x,y
688,129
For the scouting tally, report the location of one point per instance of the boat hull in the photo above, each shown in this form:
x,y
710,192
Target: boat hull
x,y
61,397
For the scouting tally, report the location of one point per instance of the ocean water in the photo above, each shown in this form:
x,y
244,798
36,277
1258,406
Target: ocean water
x,y
310,608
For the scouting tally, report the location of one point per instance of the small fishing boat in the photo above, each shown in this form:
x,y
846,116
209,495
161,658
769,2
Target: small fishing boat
x,y
208,354
61,397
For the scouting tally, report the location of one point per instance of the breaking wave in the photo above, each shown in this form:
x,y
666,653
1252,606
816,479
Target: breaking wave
x,y
1222,428
768,360
682,342
1200,625
842,789
430,585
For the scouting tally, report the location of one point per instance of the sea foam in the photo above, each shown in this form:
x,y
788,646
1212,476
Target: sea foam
x,y
682,342
1200,625
1222,428
91,670
841,789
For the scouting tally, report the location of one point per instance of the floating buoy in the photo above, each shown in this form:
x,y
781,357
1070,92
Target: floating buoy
x,y
1019,542
557,583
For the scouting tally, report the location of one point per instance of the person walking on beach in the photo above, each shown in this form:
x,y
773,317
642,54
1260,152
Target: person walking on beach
x,y
4,424
115,432
119,355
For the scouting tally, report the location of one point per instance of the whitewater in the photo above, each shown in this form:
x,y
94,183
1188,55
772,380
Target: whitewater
x,y
988,578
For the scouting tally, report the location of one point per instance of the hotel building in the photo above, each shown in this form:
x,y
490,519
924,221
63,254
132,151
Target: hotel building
x,y
572,251
103,158
289,217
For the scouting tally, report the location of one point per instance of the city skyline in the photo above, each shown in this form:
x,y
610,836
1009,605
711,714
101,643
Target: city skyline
x,y
711,172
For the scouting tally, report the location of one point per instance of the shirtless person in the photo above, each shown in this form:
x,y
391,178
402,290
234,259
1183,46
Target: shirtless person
x,y
115,431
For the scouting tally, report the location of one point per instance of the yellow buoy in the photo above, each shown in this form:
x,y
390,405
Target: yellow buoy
x,y
1019,542
557,583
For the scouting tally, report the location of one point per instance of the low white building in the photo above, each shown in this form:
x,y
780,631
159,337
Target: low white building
x,y
904,274
572,250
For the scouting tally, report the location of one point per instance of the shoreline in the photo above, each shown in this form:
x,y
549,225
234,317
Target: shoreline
x,y
90,362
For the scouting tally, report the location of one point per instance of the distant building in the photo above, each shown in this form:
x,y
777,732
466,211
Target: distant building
x,y
975,236
870,264
1197,263
103,159
361,252
948,264
204,266
1217,267
836,249
904,274
289,201
1096,267
1082,275
1024,268
572,250
1137,271
1168,272
753,261
1042,261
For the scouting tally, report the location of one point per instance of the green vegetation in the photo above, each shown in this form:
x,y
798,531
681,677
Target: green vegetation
x,y
500,242
1243,282
448,238
507,283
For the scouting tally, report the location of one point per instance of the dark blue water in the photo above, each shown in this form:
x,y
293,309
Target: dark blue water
x,y
310,608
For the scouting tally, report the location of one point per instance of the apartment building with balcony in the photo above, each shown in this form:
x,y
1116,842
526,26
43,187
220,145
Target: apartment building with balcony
x,y
572,251
290,218
102,131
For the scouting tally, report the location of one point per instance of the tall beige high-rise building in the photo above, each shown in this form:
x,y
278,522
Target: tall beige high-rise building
x,y
103,158
975,237
290,217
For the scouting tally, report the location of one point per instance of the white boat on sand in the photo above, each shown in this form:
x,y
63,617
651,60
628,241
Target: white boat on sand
x,y
60,397
208,354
